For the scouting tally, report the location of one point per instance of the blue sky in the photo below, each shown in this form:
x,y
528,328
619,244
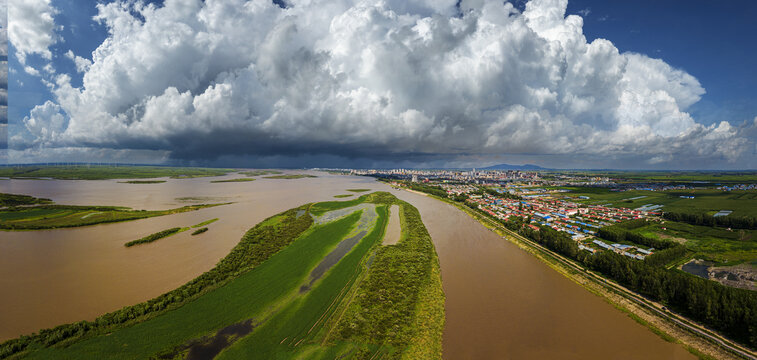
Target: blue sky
x,y
646,114
712,40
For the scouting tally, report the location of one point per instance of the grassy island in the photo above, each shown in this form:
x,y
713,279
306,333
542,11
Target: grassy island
x,y
310,282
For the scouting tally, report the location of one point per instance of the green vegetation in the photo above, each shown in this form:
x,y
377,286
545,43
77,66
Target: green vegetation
x,y
153,237
736,222
131,325
291,176
206,222
93,172
143,182
342,195
263,300
232,180
706,201
401,302
714,244
729,310
199,231
358,190
715,177
260,172
62,216
19,200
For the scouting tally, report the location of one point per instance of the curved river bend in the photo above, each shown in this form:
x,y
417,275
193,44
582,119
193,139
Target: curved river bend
x,y
501,303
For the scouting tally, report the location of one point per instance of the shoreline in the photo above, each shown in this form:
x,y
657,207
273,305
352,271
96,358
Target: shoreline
x,y
698,340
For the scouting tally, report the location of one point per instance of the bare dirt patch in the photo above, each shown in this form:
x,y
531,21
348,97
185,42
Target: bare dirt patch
x,y
393,229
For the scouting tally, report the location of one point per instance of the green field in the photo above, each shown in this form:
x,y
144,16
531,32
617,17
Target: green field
x,y
290,176
342,196
709,201
715,244
93,172
713,177
232,180
359,190
62,216
282,306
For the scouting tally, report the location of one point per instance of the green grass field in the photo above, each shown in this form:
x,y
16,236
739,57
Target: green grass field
x,y
342,196
359,190
284,320
714,177
94,172
251,295
709,201
62,216
709,243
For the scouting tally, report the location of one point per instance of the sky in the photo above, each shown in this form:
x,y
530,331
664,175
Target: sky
x,y
392,83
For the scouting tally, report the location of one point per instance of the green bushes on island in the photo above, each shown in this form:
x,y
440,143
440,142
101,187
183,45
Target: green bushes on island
x,y
199,231
232,180
256,246
19,200
64,216
206,222
153,237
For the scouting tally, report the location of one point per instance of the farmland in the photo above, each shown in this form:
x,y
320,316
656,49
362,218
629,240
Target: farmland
x,y
291,288
716,244
709,201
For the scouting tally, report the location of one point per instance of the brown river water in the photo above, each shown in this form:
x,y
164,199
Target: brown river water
x,y
501,302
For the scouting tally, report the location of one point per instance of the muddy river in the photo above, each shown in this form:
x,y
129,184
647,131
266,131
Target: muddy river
x,y
500,301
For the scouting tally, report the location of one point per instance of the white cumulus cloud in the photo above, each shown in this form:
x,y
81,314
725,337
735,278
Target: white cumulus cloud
x,y
31,28
370,78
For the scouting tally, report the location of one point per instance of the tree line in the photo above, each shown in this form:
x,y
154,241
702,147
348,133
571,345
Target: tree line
x,y
731,311
735,222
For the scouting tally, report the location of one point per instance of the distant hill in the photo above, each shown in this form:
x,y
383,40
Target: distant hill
x,y
513,167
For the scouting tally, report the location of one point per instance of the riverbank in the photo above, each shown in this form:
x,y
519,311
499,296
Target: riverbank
x,y
697,340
